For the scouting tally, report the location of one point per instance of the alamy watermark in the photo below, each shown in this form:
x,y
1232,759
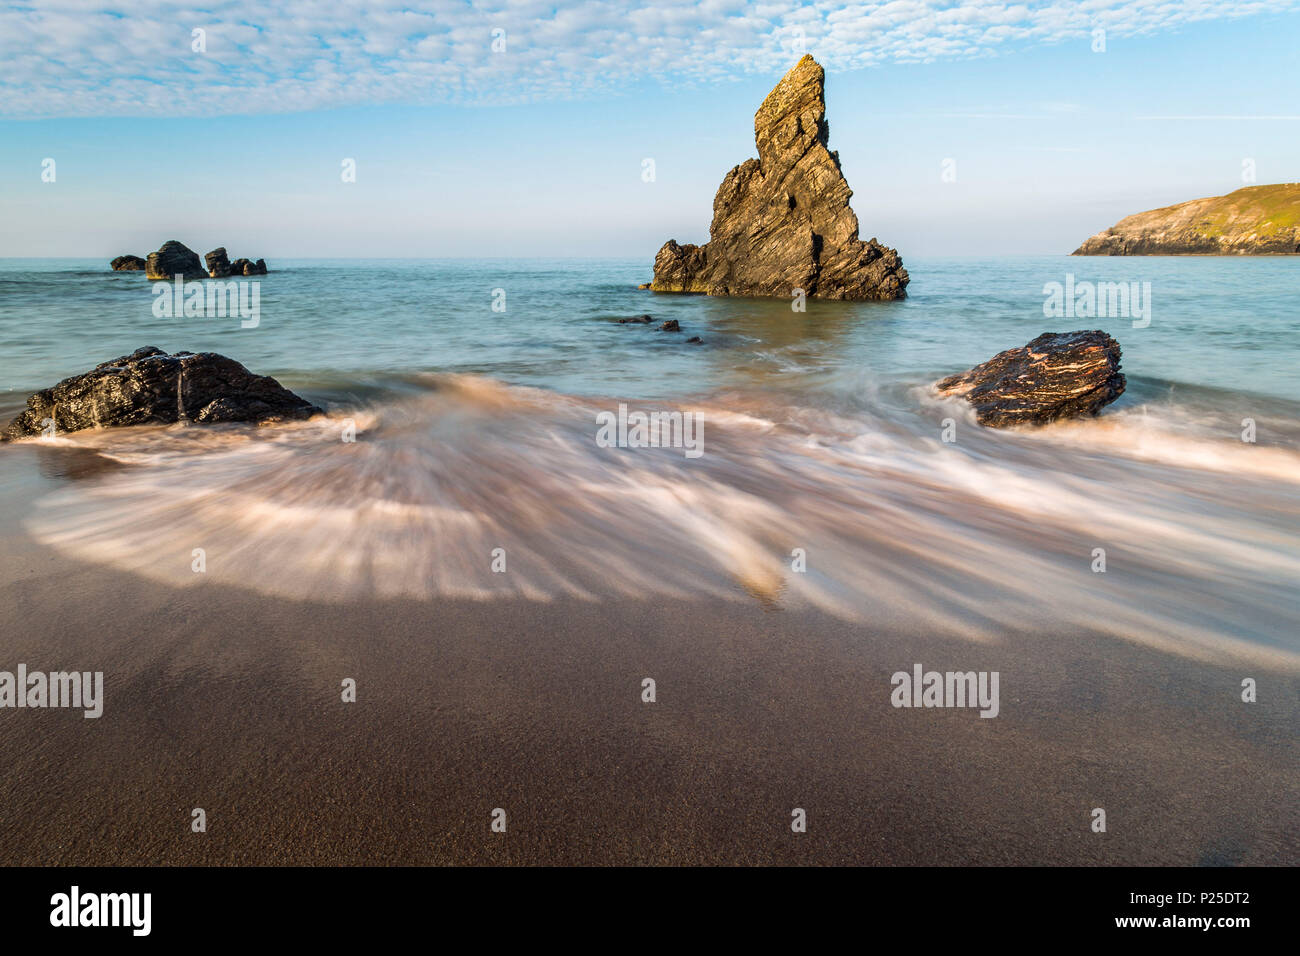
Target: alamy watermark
x,y
684,430
77,908
209,299
37,689
923,688
1098,300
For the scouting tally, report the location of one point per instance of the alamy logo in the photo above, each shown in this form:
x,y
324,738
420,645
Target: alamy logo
x,y
683,430
1098,300
209,299
76,689
923,688
75,908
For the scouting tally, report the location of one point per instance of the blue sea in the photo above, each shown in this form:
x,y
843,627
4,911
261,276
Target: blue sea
x,y
1170,520
1220,323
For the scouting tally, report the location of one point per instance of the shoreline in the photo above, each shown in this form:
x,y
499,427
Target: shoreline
x,y
219,698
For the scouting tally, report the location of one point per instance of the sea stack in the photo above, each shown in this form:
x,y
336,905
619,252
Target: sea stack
x,y
1057,375
782,222
128,264
1254,221
150,387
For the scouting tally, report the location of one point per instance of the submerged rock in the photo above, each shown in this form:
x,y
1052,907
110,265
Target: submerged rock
x,y
128,264
174,259
670,326
636,320
150,387
1057,375
782,222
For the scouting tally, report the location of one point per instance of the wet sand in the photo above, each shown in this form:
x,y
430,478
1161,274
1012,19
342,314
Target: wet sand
x,y
221,698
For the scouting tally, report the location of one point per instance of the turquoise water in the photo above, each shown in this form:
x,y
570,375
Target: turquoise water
x,y
476,431
1230,324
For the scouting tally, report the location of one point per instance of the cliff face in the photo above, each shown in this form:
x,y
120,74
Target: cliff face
x,y
782,222
1254,221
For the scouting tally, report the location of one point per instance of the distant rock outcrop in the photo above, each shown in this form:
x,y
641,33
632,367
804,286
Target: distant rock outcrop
x,y
174,259
150,387
782,222
245,267
218,263
1254,221
1057,375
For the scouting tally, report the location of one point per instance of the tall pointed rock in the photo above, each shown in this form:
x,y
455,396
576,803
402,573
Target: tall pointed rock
x,y
782,222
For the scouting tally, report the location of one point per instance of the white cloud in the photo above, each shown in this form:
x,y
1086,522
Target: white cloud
x,y
77,58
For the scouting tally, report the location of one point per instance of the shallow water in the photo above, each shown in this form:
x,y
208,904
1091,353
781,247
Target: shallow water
x,y
476,430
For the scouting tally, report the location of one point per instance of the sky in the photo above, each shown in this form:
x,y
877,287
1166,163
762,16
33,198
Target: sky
x,y
519,128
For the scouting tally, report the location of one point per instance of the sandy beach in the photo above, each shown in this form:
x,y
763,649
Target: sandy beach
x,y
225,699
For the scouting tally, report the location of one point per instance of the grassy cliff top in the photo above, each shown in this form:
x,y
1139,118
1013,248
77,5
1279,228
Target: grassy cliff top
x,y
1253,209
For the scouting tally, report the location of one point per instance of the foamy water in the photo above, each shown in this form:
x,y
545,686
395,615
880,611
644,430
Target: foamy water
x,y
476,431
993,532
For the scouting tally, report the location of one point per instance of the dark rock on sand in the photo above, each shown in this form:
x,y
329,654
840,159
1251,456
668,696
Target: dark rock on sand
x,y
1057,375
670,326
218,263
172,259
150,387
128,264
782,222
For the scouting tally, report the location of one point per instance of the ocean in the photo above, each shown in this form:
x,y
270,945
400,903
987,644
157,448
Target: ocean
x,y
825,477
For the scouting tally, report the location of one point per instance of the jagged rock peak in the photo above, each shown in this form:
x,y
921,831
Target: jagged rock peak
x,y
782,223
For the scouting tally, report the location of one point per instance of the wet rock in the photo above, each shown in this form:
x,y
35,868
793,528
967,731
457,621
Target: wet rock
x,y
150,387
636,320
128,264
670,326
246,267
695,340
218,263
782,222
1057,375
172,259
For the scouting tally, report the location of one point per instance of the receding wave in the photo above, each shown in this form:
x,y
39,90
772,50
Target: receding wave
x,y
994,531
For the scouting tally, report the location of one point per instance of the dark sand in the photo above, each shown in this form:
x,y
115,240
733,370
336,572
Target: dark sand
x,y
228,700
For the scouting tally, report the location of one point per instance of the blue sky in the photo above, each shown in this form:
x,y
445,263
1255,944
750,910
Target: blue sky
x,y
538,149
